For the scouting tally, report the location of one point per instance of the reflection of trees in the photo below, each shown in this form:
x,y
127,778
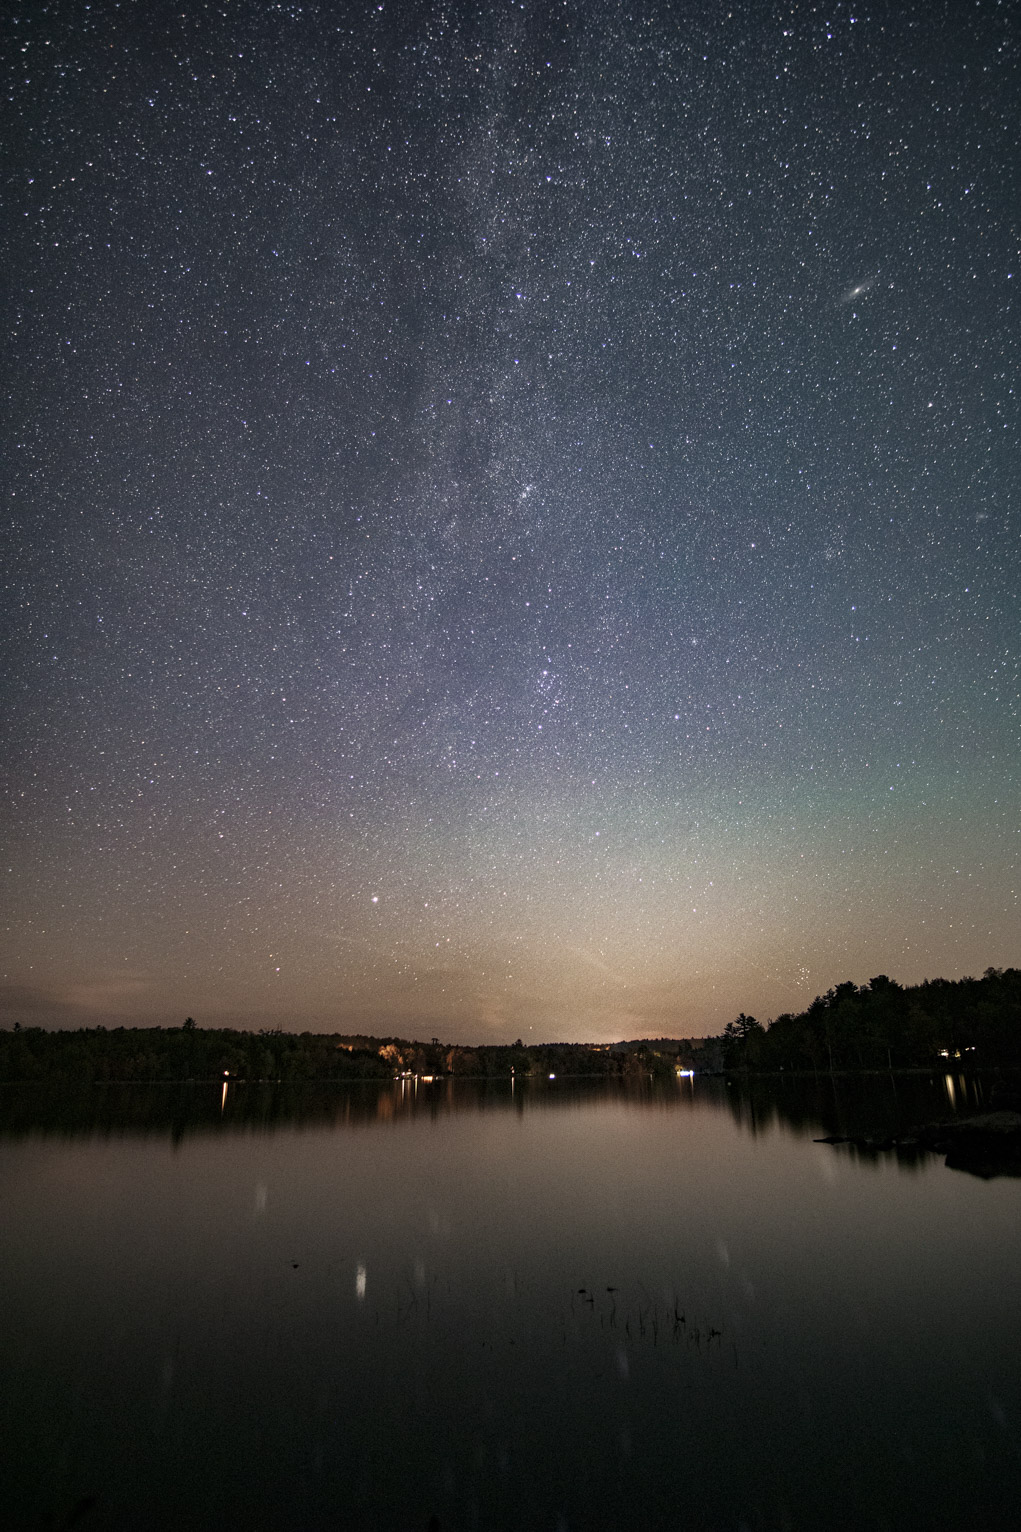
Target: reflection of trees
x,y
184,1110
873,1107
870,1109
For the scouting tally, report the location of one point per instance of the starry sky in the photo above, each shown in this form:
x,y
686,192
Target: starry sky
x,y
510,510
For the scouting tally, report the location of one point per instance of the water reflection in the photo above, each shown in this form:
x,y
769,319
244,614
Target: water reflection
x,y
182,1111
579,1290
874,1107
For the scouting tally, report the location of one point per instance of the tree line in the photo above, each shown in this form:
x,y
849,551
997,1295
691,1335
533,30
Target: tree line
x,y
883,1025
879,1025
190,1052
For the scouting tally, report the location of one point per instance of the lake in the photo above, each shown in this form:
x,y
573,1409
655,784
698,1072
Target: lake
x,y
553,1305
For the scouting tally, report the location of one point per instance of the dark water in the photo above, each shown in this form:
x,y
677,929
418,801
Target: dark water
x,y
574,1307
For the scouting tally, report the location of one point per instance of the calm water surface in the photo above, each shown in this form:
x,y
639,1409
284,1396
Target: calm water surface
x,y
571,1307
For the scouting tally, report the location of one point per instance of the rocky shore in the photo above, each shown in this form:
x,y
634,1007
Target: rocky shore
x,y
987,1144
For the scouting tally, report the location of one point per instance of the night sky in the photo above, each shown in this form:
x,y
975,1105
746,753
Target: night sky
x,y
510,516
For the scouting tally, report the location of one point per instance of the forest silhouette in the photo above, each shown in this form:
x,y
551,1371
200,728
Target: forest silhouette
x,y
881,1025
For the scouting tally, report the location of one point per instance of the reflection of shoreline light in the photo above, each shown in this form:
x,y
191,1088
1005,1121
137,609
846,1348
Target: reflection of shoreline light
x,y
360,1282
223,1098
